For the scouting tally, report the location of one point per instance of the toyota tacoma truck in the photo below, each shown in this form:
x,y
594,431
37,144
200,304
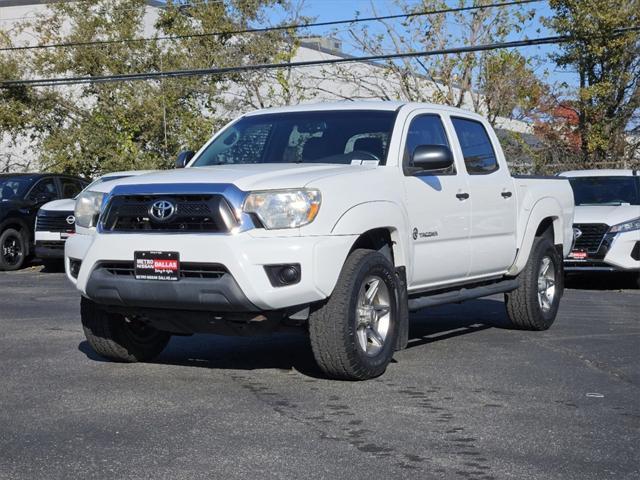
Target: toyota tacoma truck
x,y
335,218
607,222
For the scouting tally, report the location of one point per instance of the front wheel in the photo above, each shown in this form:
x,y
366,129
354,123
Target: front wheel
x,y
13,250
119,338
354,334
534,304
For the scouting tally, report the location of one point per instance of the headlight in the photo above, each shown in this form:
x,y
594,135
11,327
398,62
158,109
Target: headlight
x,y
87,209
626,226
284,208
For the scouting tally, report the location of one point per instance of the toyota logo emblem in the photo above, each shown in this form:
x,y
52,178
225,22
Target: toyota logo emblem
x,y
162,210
577,233
71,219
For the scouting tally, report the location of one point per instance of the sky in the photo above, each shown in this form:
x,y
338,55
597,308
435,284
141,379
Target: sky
x,y
326,10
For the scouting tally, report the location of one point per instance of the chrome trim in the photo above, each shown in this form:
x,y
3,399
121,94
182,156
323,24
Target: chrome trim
x,y
230,192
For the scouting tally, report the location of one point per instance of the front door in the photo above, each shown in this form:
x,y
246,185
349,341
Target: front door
x,y
439,213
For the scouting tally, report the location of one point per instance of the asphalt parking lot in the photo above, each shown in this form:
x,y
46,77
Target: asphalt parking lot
x,y
468,399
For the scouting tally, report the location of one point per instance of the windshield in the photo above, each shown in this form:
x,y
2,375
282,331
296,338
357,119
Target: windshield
x,y
13,188
303,137
606,190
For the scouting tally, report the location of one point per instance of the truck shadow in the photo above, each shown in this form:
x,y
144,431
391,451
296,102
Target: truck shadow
x,y
600,281
293,351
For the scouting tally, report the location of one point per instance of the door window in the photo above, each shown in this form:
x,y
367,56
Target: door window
x,y
478,153
44,191
426,130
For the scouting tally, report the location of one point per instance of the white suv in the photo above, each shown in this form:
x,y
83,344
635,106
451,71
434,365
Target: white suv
x,y
607,221
335,218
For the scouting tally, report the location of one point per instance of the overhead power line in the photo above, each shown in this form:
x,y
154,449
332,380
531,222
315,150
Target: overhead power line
x,y
294,26
43,82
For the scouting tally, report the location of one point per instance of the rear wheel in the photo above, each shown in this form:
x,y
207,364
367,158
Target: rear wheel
x,y
13,250
354,334
119,338
534,304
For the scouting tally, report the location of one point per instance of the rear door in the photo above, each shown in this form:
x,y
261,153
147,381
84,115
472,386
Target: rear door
x,y
438,211
493,202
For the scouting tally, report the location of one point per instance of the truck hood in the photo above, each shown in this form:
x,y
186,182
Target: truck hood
x,y
246,177
64,205
609,214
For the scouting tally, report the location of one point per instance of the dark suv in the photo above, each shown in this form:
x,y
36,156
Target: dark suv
x,y
21,195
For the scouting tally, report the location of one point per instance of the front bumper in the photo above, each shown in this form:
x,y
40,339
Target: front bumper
x,y
244,255
617,252
216,294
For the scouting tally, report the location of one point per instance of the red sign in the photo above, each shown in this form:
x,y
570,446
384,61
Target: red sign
x,y
165,264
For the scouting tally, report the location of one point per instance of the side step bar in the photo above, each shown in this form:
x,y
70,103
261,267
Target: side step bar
x,y
462,294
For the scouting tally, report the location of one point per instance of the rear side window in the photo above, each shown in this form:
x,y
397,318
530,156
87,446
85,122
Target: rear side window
x,y
478,153
70,187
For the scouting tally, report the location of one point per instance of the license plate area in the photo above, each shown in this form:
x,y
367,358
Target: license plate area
x,y
150,265
578,255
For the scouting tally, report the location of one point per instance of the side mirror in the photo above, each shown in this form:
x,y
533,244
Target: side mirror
x,y
430,158
183,158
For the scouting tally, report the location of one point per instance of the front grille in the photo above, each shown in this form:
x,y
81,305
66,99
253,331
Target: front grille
x,y
54,222
187,269
193,213
592,235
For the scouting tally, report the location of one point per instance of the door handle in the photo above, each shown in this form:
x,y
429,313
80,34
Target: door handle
x,y
506,194
462,196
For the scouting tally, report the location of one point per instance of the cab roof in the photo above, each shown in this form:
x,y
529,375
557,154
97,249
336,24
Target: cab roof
x,y
380,105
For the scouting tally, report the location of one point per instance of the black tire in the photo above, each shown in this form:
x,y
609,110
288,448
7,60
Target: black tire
x,y
524,309
637,280
333,325
13,250
114,337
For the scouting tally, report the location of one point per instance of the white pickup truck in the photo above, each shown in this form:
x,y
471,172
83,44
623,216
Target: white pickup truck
x,y
338,218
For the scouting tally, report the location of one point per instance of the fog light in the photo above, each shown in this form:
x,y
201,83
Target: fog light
x,y
283,275
74,267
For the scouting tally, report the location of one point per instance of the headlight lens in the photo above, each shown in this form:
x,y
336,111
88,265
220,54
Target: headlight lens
x,y
626,226
87,209
284,208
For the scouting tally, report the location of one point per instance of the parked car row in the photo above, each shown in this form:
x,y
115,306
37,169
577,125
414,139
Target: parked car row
x,y
37,214
21,196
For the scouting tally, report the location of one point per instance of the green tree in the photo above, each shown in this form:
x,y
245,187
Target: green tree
x,y
608,66
23,112
143,124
